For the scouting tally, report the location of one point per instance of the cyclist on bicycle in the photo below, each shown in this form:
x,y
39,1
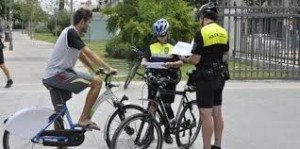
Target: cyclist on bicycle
x,y
160,50
60,77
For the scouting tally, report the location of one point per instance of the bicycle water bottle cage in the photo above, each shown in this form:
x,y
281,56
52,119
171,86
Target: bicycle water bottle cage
x,y
71,137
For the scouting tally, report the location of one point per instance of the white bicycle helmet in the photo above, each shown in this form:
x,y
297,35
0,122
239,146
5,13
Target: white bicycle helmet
x,y
160,27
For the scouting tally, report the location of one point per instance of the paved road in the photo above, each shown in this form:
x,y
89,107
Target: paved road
x,y
258,114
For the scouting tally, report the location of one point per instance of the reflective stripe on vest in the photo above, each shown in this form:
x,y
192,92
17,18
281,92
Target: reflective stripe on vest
x,y
214,34
159,50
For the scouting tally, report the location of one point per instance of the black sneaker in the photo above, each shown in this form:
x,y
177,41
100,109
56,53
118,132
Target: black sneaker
x,y
167,137
9,83
215,147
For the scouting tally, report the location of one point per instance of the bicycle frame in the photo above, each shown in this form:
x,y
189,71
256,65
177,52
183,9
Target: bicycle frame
x,y
60,114
41,116
156,106
162,111
106,95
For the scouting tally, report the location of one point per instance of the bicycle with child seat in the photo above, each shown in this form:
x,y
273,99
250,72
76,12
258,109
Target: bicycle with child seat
x,y
135,65
147,131
34,127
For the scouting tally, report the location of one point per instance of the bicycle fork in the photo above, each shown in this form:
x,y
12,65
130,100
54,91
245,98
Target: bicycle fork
x,y
149,133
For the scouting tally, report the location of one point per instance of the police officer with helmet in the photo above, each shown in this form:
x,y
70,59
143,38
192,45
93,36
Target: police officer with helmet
x,y
209,55
160,50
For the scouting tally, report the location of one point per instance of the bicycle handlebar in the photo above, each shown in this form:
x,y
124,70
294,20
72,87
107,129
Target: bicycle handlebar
x,y
161,81
108,77
138,51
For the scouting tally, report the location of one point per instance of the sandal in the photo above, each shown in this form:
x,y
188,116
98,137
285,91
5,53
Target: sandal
x,y
89,126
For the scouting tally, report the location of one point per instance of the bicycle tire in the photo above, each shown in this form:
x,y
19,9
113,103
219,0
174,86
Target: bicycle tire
x,y
179,125
114,117
148,137
7,144
131,74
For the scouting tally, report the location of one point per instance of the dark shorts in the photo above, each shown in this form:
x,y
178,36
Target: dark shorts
x,y
1,57
64,84
209,93
166,98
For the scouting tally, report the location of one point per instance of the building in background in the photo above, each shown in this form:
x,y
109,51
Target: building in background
x,y
97,29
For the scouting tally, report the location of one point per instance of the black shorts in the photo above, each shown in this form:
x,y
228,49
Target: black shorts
x,y
1,57
209,93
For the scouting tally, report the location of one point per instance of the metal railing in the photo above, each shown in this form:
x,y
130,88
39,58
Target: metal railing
x,y
264,39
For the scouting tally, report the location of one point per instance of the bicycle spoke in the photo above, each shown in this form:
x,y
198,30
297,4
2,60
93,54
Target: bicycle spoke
x,y
188,126
115,120
143,137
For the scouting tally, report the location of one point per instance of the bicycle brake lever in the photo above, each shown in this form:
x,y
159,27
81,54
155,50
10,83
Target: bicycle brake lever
x,y
99,71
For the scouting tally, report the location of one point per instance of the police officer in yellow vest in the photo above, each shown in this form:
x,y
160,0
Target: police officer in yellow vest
x,y
210,54
160,50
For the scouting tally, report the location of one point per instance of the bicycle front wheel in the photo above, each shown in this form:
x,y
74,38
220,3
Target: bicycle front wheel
x,y
117,117
11,141
131,74
188,125
145,133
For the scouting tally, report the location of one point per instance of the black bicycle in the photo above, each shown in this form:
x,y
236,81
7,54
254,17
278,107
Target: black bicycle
x,y
147,131
135,65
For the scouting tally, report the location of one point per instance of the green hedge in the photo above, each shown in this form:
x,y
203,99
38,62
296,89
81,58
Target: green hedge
x,y
117,49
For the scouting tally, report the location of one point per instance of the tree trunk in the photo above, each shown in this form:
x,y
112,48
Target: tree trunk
x,y
61,5
31,17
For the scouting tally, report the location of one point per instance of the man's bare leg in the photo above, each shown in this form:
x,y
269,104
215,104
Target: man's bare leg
x,y
218,125
90,100
207,126
6,71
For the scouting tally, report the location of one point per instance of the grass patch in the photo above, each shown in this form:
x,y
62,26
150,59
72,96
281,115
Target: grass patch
x,y
241,70
45,37
246,70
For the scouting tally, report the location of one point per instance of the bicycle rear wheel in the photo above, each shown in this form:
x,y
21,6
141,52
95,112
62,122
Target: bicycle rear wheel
x,y
131,74
11,141
188,125
117,117
146,133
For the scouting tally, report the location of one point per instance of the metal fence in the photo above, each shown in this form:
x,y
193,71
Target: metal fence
x,y
264,38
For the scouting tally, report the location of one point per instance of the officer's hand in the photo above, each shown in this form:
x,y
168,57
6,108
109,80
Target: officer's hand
x,y
143,64
184,58
169,64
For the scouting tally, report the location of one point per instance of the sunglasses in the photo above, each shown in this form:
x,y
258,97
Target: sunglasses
x,y
164,35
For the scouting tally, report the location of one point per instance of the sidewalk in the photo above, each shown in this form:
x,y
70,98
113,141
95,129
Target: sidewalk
x,y
258,114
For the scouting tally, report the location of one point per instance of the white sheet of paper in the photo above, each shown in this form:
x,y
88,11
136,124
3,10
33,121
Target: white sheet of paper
x,y
182,48
155,65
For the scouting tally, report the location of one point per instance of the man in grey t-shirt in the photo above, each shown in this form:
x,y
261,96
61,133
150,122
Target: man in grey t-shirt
x,y
60,77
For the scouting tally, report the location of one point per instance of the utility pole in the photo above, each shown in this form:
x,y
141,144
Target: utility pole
x,y
10,25
55,24
71,17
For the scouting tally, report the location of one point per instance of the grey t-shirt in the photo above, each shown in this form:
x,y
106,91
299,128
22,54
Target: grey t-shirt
x,y
65,53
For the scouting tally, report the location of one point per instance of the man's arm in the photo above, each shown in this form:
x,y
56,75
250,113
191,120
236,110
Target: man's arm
x,y
225,57
196,51
83,58
95,58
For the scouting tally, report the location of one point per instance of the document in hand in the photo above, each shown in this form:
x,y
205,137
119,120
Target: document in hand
x,y
182,48
155,65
